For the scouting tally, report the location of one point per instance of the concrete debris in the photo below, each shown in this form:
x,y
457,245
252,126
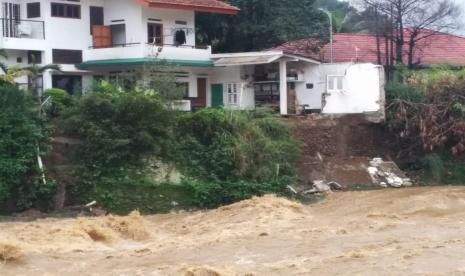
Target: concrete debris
x,y
387,174
91,204
292,189
323,187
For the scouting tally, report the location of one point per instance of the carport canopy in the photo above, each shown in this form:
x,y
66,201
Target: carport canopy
x,y
256,58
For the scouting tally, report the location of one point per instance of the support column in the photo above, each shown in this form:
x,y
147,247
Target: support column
x,y
283,86
47,80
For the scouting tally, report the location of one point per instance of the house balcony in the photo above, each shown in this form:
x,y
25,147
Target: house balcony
x,y
142,53
22,34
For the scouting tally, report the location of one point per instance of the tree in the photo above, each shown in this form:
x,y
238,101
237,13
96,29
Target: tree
x,y
34,72
412,21
21,134
262,24
341,12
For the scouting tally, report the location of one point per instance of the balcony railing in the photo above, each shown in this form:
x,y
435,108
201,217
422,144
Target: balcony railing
x,y
28,29
199,47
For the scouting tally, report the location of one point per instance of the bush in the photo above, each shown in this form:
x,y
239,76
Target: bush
x,y
21,135
120,132
60,101
234,155
120,129
225,156
428,111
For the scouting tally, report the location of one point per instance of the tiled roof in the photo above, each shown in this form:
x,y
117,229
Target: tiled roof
x,y
350,47
214,6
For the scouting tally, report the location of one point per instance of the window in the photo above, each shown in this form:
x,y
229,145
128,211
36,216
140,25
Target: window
x,y
118,34
70,83
96,17
335,83
34,57
184,87
233,91
66,56
66,10
155,33
33,10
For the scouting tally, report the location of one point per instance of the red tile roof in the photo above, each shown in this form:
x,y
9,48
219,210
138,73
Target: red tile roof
x,y
350,47
214,6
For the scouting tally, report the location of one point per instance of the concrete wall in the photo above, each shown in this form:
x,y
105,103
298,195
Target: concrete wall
x,y
309,96
363,89
232,74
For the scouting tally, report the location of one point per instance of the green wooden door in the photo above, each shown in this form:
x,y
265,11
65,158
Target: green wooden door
x,y
217,95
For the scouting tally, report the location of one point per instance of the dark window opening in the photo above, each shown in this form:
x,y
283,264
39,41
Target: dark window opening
x,y
33,10
155,33
118,34
67,56
184,86
34,57
180,37
70,83
66,10
96,17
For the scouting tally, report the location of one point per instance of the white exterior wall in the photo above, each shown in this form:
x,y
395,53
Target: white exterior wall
x,y
68,33
168,18
233,74
363,89
310,96
130,12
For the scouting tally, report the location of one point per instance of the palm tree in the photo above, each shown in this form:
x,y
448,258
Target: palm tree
x,y
34,72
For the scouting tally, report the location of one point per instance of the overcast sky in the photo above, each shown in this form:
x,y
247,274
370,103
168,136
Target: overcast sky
x,y
462,4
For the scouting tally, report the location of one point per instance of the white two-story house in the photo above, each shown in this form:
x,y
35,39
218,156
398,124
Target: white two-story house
x,y
99,38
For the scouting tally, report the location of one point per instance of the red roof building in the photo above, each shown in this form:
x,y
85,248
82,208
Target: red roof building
x,y
435,48
213,6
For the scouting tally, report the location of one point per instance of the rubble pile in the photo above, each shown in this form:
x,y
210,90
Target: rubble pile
x,y
387,174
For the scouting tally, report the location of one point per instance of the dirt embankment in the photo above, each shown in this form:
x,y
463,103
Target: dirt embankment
x,y
417,231
339,148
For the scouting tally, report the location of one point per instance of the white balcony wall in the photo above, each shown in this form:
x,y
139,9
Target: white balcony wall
x,y
181,53
23,44
131,51
147,51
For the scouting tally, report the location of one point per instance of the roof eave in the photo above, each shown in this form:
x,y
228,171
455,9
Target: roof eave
x,y
230,11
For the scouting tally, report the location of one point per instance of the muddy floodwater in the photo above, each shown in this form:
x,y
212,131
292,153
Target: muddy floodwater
x,y
418,231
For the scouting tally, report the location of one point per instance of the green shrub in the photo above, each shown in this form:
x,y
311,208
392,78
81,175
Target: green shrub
x,y
434,168
21,136
120,131
397,90
233,155
60,101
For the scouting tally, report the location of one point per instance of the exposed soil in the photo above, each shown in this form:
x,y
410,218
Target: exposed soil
x,y
417,231
339,148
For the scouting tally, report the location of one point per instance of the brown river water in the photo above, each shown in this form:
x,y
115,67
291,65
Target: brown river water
x,y
417,231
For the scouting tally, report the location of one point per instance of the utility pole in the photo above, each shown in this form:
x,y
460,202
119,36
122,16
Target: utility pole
x,y
330,16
